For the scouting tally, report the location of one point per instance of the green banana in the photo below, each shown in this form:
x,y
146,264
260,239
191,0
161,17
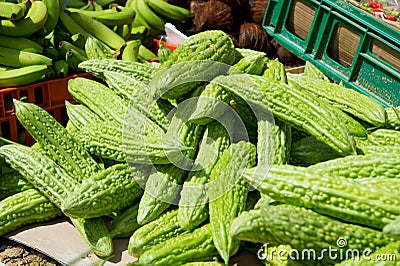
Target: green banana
x,y
73,59
91,13
99,30
79,40
156,23
96,49
105,2
12,11
52,52
145,53
17,58
124,31
31,23
89,6
75,3
61,68
20,43
58,36
53,10
22,76
131,51
64,46
96,6
169,11
123,17
71,25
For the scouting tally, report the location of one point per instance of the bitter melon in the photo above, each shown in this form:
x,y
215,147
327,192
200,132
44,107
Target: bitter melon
x,y
12,183
228,192
332,195
299,109
125,223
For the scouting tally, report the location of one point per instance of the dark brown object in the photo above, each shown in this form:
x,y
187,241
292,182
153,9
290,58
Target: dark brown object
x,y
258,10
286,57
212,15
253,36
181,3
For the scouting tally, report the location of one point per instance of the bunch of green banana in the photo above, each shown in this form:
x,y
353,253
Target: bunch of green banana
x,y
153,14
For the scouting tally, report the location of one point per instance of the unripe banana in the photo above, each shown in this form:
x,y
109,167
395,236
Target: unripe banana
x,y
11,11
99,30
169,11
145,53
91,13
75,3
33,21
79,40
124,31
20,43
123,17
17,58
89,6
105,2
58,36
52,52
131,51
73,59
96,6
61,68
53,9
22,76
153,20
71,25
64,46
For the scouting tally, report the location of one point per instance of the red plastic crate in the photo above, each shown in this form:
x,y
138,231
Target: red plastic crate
x,y
50,95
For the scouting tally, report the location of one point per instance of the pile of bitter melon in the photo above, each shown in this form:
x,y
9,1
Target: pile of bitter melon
x,y
45,39
212,149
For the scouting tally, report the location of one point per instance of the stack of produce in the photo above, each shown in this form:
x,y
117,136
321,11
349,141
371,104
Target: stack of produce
x,y
44,39
332,158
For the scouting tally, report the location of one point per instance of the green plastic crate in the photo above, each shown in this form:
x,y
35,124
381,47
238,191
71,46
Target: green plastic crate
x,y
346,43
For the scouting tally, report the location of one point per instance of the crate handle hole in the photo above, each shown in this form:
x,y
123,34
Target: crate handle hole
x,y
38,92
343,45
8,102
385,53
300,19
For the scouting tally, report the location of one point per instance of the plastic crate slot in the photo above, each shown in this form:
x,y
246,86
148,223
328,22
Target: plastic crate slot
x,y
24,94
8,102
38,93
5,129
21,133
386,53
64,116
300,19
343,45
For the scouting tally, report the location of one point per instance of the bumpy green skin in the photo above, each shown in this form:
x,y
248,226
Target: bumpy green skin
x,y
393,118
193,208
251,64
297,108
212,103
275,71
81,116
162,187
96,49
12,183
244,52
23,208
348,100
137,94
385,137
125,223
163,53
44,174
211,46
228,194
98,98
137,70
386,255
137,143
332,195
56,141
155,232
273,142
95,234
194,246
355,128
309,150
303,229
111,190
214,45
361,166
312,72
